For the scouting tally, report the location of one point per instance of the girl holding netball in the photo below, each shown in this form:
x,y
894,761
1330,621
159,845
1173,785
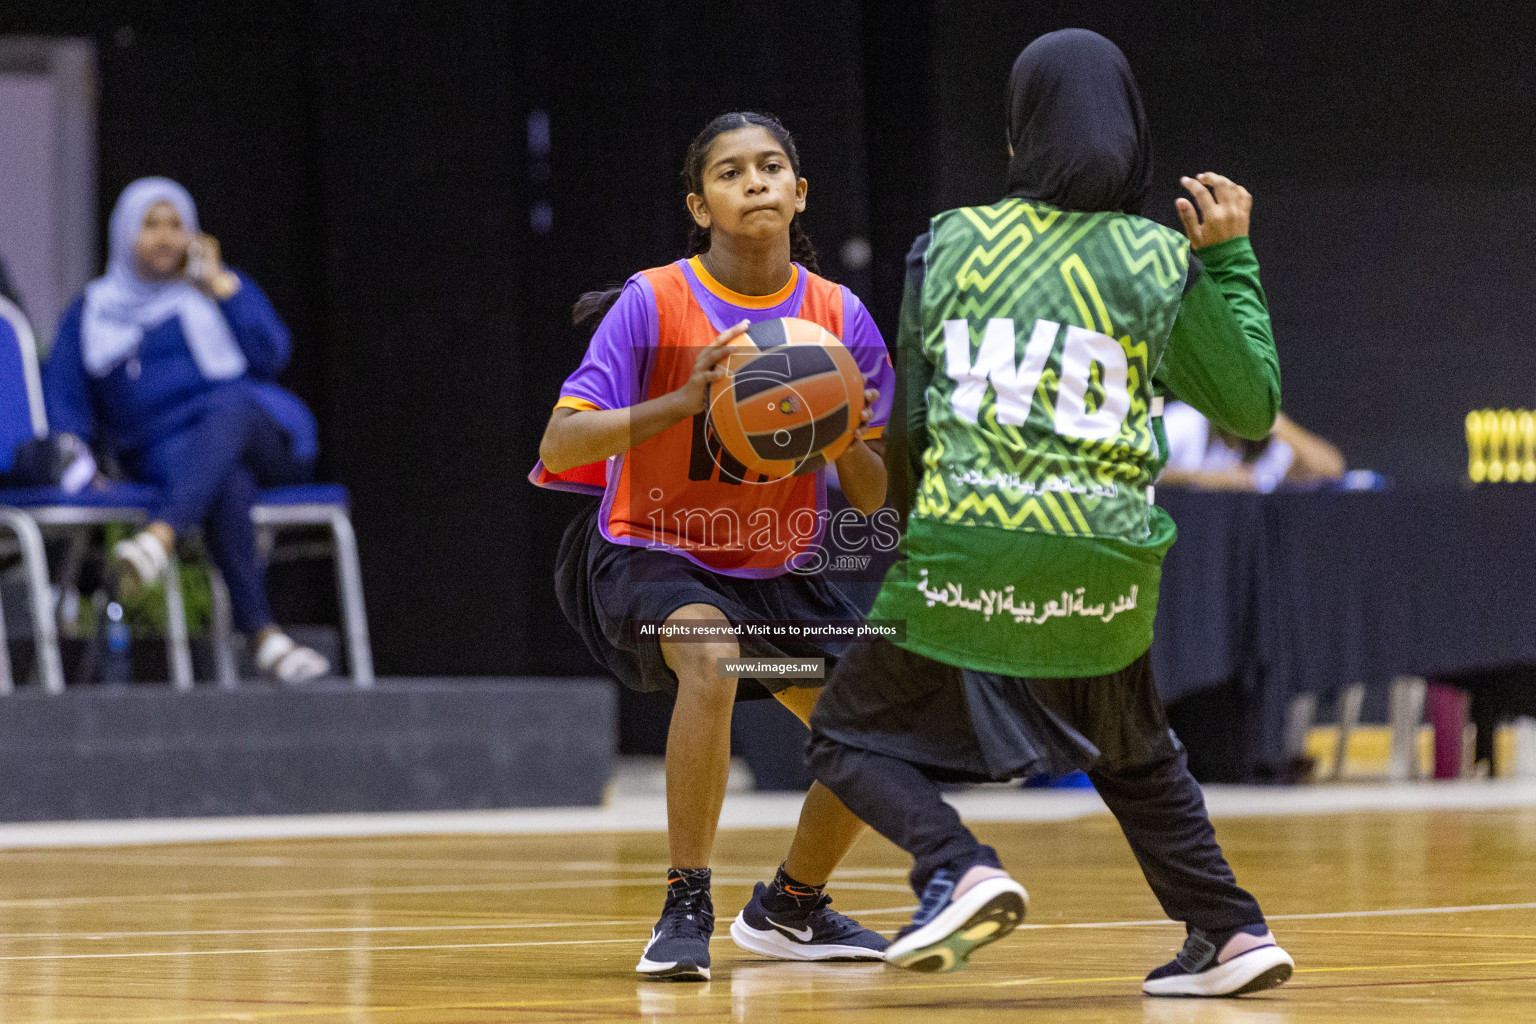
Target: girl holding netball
x,y
683,536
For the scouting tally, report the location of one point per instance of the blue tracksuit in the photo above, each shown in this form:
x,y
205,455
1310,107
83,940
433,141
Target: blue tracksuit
x,y
207,444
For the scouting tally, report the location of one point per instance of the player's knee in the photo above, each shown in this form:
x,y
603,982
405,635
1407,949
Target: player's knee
x,y
700,676
694,650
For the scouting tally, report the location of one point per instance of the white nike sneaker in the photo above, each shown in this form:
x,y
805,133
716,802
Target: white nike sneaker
x,y
814,932
678,949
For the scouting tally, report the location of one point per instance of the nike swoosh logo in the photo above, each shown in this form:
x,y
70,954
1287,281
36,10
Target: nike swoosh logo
x,y
803,934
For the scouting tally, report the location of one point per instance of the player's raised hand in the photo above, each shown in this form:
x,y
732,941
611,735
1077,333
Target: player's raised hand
x,y
1223,209
707,368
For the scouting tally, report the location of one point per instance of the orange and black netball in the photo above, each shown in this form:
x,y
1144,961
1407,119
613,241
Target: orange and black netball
x,y
790,401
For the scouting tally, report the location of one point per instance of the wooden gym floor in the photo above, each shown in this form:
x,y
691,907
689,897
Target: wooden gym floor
x,y
1397,916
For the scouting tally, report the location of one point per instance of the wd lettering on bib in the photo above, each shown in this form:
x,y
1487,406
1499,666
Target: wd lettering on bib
x,y
1084,353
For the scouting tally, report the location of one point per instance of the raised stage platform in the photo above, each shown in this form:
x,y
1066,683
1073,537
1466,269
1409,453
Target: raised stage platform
x,y
404,745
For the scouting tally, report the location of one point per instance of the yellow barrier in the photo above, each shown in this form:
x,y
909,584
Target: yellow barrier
x,y
1501,446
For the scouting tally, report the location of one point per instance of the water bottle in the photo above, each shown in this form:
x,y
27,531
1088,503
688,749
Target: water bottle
x,y
115,665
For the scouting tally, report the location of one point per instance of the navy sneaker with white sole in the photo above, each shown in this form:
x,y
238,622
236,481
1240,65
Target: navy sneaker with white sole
x,y
679,945
947,929
813,932
1196,971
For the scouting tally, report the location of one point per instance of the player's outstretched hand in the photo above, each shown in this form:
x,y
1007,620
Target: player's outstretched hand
x,y
706,368
1224,207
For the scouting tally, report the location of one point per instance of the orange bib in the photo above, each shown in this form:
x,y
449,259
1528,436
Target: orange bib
x,y
682,490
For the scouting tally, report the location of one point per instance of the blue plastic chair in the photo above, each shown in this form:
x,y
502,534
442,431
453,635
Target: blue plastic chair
x,y
78,515
21,419
325,505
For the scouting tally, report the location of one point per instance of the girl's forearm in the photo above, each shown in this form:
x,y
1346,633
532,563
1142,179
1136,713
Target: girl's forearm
x,y
578,437
861,470
1237,478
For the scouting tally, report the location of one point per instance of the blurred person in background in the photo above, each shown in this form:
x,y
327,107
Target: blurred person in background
x,y
168,361
1203,456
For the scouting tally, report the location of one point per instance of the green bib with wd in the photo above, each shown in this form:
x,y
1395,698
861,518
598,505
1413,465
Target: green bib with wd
x,y
1032,548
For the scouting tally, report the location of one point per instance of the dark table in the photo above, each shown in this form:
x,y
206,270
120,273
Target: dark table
x,y
1309,592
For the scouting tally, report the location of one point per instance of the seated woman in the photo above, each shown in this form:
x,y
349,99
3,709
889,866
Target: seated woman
x,y
172,356
1203,456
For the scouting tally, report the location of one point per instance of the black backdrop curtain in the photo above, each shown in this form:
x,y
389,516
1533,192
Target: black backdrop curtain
x,y
370,164
379,168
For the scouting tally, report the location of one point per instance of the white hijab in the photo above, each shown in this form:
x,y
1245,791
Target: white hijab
x,y
120,306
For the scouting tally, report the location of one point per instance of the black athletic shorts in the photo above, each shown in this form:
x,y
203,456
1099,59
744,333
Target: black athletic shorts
x,y
603,588
961,725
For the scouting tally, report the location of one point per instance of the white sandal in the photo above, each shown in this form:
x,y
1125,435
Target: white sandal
x,y
141,560
288,662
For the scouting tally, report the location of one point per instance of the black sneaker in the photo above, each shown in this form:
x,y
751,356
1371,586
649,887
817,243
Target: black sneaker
x,y
814,932
945,930
679,946
1195,972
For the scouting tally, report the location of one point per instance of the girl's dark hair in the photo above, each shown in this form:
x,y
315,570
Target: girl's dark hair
x,y
593,305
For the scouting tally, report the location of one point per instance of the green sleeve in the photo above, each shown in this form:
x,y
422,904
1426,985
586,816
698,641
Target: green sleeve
x,y
907,435
1221,355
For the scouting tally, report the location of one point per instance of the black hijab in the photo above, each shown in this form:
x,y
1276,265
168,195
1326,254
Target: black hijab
x,y
1075,123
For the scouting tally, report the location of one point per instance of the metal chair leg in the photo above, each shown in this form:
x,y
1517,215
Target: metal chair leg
x,y
178,650
45,632
1298,722
77,547
266,539
1350,701
1524,766
349,585
1406,712
223,634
